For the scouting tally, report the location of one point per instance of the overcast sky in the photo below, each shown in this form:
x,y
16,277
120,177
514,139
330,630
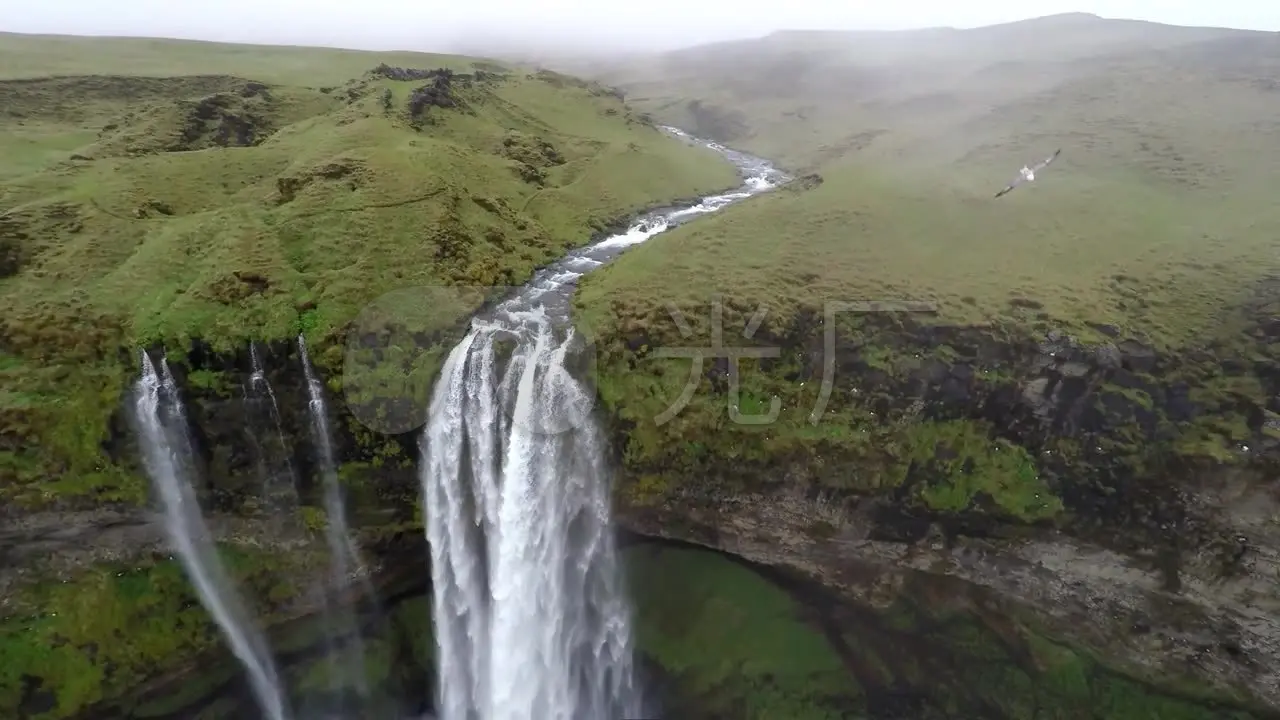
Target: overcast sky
x,y
441,24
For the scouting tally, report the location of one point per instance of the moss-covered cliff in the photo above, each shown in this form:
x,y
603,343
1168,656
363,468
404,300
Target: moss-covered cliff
x,y
742,641
1115,490
1080,413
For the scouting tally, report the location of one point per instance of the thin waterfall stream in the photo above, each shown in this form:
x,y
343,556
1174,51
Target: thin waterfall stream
x,y
530,614
345,564
161,424
280,482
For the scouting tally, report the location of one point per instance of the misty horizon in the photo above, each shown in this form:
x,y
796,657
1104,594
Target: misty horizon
x,y
568,25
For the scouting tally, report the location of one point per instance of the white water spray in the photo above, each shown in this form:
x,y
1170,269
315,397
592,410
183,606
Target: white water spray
x,y
530,615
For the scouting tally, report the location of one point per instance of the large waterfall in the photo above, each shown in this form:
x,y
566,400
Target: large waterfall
x,y
530,616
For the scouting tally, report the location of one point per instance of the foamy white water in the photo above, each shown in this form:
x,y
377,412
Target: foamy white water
x,y
161,423
531,616
531,621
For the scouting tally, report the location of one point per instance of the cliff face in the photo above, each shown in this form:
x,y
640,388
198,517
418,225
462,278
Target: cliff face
x,y
1002,609
1114,496
203,212
100,615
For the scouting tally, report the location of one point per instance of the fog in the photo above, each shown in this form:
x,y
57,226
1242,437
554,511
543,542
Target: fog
x,y
568,24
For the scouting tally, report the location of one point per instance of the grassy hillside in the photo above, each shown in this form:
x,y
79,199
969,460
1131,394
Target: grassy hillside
x,y
811,97
222,192
1155,231
1158,213
25,56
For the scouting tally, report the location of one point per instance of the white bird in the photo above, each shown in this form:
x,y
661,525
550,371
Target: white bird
x,y
1028,174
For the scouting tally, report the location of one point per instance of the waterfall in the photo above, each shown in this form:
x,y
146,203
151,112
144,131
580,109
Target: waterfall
x,y
161,424
531,619
529,610
345,558
281,495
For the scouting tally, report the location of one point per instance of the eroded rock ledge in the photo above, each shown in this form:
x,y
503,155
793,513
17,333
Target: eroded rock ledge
x,y
1224,636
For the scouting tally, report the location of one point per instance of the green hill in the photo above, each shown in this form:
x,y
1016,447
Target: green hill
x,y
163,191
1099,364
1157,220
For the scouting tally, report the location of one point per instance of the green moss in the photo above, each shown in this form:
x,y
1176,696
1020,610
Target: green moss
x,y
61,417
329,206
995,661
314,519
193,688
100,635
733,642
394,654
396,662
1134,395
217,383
412,619
966,461
96,637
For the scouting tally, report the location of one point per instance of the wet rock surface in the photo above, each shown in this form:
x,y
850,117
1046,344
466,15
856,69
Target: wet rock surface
x,y
241,437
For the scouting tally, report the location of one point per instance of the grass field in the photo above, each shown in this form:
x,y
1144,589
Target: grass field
x,y
230,192
1157,223
1160,210
26,56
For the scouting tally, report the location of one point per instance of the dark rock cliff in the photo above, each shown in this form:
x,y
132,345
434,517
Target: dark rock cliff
x,y
1111,499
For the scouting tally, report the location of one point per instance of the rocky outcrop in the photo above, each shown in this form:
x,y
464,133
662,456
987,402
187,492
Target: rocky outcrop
x,y
243,114
396,639
438,92
239,441
882,642
721,124
442,88
13,250
1193,624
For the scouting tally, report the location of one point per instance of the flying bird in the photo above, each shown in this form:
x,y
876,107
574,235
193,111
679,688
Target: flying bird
x,y
1028,174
